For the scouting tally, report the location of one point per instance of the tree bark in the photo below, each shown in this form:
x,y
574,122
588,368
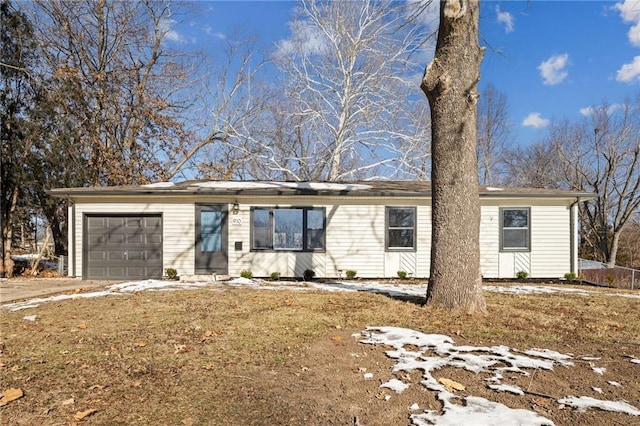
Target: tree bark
x,y
450,84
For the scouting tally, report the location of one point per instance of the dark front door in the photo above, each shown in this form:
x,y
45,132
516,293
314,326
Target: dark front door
x,y
211,239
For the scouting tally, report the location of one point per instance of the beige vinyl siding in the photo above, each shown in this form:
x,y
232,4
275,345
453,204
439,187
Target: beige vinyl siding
x,y
550,241
177,224
355,235
355,239
550,252
489,241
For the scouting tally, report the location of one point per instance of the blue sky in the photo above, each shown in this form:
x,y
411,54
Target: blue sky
x,y
552,59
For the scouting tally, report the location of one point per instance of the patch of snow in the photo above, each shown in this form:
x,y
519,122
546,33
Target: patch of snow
x,y
552,355
30,318
315,186
159,185
398,386
414,407
599,390
242,281
612,383
507,388
393,290
368,376
493,188
590,358
529,289
599,370
479,412
635,361
582,403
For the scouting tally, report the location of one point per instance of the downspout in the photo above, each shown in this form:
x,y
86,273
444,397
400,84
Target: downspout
x,y
573,224
72,240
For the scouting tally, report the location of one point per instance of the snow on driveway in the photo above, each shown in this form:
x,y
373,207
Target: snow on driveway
x,y
433,351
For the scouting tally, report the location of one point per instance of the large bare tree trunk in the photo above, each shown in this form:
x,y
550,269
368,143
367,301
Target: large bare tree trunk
x,y
450,83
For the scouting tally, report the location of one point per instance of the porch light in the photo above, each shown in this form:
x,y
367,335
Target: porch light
x,y
236,207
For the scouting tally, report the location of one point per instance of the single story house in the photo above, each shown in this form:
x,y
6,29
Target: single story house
x,y
374,227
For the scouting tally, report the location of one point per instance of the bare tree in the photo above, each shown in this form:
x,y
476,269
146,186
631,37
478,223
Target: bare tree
x,y
536,166
348,73
494,132
603,156
450,84
117,81
629,252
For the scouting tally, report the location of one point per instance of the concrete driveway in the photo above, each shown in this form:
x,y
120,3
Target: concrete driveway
x,y
13,289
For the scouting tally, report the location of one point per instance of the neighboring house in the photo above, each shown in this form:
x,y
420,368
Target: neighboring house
x,y
375,227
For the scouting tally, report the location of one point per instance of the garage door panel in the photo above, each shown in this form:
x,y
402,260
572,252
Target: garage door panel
x,y
115,222
123,246
153,222
135,239
154,255
154,239
115,255
97,255
115,239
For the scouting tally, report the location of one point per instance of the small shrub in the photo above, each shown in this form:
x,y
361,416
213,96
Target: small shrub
x,y
522,275
611,279
171,273
275,276
402,274
351,273
308,274
246,273
570,276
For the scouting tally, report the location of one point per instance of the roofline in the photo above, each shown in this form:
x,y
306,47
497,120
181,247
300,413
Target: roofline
x,y
89,192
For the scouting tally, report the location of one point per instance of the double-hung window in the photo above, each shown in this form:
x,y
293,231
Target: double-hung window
x,y
288,228
515,229
401,228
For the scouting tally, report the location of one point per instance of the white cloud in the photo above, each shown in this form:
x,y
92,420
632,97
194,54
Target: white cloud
x,y
505,18
307,39
588,111
166,26
630,13
535,120
553,70
629,72
209,30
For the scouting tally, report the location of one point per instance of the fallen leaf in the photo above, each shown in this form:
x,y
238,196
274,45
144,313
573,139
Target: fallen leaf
x,y
141,344
82,414
9,395
289,302
450,384
82,326
336,338
208,333
68,401
188,421
136,384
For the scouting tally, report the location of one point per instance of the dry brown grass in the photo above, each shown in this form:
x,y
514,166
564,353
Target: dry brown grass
x,y
241,356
